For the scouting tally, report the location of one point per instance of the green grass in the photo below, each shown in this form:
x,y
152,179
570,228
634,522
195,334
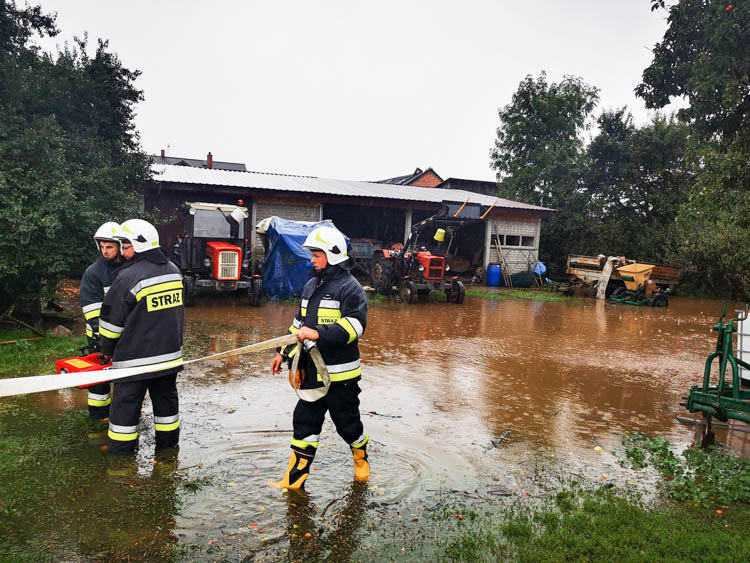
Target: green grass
x,y
529,294
599,525
63,498
705,477
36,357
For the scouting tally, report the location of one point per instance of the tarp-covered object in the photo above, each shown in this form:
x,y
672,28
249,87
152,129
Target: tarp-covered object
x,y
287,265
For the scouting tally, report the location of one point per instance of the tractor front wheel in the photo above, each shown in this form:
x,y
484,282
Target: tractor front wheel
x,y
658,300
381,274
188,291
456,293
255,292
407,291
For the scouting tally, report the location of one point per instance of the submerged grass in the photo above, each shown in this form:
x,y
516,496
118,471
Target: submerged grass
x,y
600,525
35,357
64,498
528,294
704,477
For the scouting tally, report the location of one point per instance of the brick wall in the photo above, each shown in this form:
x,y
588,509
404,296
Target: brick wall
x,y
427,180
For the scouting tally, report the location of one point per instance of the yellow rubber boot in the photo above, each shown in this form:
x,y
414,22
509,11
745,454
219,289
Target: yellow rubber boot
x,y
297,471
361,466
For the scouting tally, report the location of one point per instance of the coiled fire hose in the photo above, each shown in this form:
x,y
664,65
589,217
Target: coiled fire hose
x,y
39,383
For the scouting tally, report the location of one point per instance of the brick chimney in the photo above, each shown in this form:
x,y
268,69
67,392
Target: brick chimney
x,y
162,156
210,161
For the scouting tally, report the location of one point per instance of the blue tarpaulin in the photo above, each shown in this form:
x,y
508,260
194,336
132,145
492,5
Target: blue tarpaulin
x,y
287,265
540,268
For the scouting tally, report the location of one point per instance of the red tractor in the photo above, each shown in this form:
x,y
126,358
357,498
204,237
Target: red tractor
x,y
419,266
214,251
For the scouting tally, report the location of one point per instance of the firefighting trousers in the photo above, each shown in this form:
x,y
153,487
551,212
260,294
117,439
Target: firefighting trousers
x,y
99,399
125,412
342,402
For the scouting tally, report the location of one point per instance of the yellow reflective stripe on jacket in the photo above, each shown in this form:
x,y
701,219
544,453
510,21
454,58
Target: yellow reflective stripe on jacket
x,y
293,329
92,310
89,333
349,328
108,333
165,360
303,444
342,372
328,316
344,375
303,311
158,288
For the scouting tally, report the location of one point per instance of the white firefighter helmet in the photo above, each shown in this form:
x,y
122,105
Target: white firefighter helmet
x,y
106,233
142,234
330,241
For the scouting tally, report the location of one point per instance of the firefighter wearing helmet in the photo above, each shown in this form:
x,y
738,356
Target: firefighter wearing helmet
x,y
95,283
333,314
142,323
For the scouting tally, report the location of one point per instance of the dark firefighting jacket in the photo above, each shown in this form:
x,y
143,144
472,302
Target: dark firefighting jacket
x,y
95,283
334,304
142,319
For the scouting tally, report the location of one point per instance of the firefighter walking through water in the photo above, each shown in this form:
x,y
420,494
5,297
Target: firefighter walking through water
x,y
95,284
142,323
333,314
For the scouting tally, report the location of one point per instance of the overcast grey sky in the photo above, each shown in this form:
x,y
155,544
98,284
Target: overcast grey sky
x,y
355,90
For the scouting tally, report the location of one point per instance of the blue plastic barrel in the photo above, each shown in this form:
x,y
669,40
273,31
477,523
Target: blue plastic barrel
x,y
493,276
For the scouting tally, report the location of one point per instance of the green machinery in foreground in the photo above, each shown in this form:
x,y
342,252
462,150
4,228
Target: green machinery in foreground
x,y
725,400
639,289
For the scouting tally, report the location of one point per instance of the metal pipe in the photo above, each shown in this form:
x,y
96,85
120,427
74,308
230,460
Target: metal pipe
x,y
461,208
488,210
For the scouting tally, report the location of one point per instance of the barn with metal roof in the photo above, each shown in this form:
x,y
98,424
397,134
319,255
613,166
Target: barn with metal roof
x,y
380,213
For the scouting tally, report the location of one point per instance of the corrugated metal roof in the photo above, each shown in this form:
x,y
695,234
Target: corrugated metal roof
x,y
313,185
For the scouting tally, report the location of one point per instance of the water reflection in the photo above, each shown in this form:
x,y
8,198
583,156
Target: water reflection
x,y
308,541
440,382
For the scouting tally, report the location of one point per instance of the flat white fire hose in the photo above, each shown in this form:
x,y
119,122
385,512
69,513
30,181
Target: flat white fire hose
x,y
39,383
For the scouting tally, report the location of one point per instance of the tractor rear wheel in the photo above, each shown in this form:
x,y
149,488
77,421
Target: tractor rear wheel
x,y
255,292
407,291
381,274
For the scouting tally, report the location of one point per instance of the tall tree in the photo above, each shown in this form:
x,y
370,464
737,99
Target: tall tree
x,y
637,180
539,156
705,57
69,153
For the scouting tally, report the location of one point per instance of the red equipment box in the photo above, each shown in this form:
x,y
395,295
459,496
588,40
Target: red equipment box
x,y
91,362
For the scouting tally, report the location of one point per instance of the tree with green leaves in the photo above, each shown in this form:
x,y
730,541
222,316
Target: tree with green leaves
x,y
540,159
69,153
704,57
637,180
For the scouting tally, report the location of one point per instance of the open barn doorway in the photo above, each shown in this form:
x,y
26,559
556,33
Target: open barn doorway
x,y
368,227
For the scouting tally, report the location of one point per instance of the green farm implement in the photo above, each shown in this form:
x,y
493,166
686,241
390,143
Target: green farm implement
x,y
639,289
725,400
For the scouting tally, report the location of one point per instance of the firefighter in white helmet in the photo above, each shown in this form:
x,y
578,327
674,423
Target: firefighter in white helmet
x,y
333,313
142,324
95,283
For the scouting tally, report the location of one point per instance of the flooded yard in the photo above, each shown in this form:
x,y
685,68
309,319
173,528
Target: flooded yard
x,y
488,400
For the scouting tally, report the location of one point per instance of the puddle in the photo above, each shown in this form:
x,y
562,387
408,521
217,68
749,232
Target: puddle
x,y
441,384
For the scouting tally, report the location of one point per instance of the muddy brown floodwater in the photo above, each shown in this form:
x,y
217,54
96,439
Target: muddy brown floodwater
x,y
456,398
